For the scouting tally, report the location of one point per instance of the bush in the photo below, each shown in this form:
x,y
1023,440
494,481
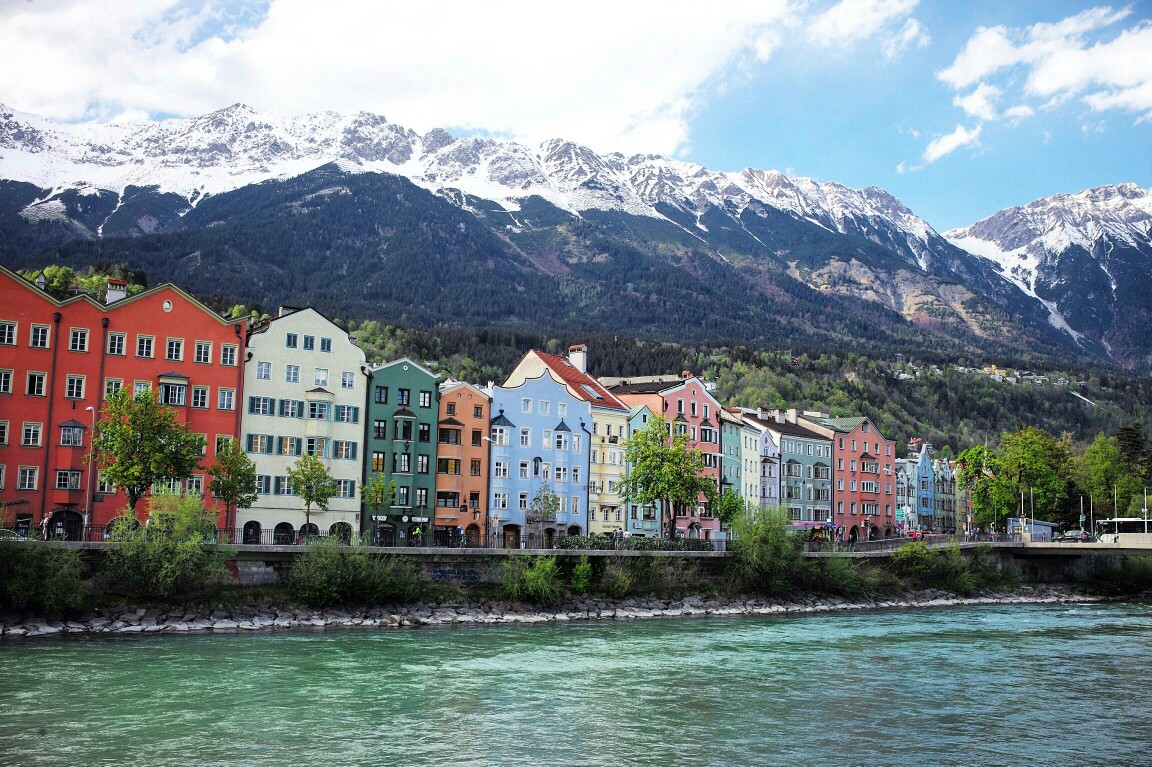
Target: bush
x,y
38,577
172,555
534,578
766,557
634,543
581,576
947,568
327,572
617,579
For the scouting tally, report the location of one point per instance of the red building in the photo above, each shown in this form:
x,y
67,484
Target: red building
x,y
690,409
58,362
863,475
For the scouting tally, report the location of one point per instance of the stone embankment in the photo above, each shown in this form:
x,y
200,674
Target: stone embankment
x,y
180,620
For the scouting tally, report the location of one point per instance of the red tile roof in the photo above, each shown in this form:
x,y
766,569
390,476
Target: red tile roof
x,y
586,387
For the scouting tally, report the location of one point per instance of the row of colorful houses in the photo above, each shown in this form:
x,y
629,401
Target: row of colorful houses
x,y
539,456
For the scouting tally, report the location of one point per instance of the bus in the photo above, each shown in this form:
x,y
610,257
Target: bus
x,y
1124,530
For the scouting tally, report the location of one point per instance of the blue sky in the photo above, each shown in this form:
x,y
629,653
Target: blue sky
x,y
959,108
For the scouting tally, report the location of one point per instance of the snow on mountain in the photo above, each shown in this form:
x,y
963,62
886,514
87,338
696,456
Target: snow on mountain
x,y
236,146
1051,247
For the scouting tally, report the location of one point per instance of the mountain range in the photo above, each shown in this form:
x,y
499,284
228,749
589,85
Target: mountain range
x,y
365,218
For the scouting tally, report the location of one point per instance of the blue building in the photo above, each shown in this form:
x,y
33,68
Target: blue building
x,y
540,436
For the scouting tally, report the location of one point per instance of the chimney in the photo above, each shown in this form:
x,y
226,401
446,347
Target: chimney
x,y
685,373
117,291
792,414
578,356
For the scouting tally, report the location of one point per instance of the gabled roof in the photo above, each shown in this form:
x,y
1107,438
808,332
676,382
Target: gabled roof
x,y
841,425
501,420
318,390
403,412
450,421
794,430
72,424
582,385
562,427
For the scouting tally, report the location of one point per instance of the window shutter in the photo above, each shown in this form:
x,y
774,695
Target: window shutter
x,y
268,444
276,485
249,443
251,404
299,408
355,414
353,453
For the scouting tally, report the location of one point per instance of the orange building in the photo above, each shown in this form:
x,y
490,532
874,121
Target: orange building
x,y
462,436
58,362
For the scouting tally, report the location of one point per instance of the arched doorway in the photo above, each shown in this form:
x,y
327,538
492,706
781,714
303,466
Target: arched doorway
x,y
65,525
252,532
549,538
283,534
308,532
472,536
511,536
574,530
694,530
385,535
343,531
854,534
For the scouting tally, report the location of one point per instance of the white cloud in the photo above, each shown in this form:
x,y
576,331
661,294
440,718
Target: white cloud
x,y
980,102
947,144
1062,61
1019,112
612,75
850,21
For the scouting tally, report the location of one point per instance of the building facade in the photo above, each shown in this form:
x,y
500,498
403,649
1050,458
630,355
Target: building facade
x,y
305,384
462,440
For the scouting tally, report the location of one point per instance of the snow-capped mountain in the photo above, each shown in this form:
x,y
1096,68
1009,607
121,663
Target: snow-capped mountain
x,y
144,179
1087,257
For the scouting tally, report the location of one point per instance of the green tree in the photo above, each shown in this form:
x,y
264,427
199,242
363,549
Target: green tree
x,y
140,442
766,557
544,504
977,471
1036,466
312,483
233,478
729,507
666,471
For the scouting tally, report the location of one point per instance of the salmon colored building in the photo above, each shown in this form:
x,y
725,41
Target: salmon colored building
x,y
59,360
689,408
462,498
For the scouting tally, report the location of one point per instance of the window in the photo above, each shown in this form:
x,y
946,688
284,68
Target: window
x,y
561,441
561,473
309,343
377,460
260,405
31,436
228,355
449,436
144,346
27,478
403,430
116,343
320,377
474,467
345,488
225,399
263,484
525,438
523,501
450,408
203,353
381,395
500,469
380,429
222,442
575,443
259,443
195,485
478,411
474,500
264,371
544,407
326,344
74,387
35,387
477,435
447,500
526,405
200,396
3,432
403,397
292,409
72,436
316,446
448,466
576,509
523,470
292,374
402,463
422,464
547,439
320,411
347,380
38,337
347,414
500,436
289,445
8,333
139,387
282,486
423,432
576,475
78,340
290,340
425,399
500,501
173,394
175,349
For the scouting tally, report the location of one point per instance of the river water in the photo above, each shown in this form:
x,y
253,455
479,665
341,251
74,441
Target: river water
x,y
1001,685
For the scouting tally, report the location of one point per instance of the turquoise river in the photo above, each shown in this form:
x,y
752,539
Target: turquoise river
x,y
999,685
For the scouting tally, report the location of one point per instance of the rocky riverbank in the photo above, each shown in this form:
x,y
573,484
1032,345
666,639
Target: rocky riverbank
x,y
179,620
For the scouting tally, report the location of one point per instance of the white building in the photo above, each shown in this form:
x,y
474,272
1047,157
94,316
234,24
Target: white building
x,y
304,394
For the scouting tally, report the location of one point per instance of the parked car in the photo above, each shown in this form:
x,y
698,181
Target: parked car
x,y
1074,536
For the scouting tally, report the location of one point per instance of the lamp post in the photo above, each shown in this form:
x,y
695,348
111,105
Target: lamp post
x,y
91,465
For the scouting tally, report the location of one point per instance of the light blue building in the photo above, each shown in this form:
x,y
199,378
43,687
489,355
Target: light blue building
x,y
916,491
642,520
540,436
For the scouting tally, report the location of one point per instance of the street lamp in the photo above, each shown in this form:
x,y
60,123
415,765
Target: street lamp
x,y
91,464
